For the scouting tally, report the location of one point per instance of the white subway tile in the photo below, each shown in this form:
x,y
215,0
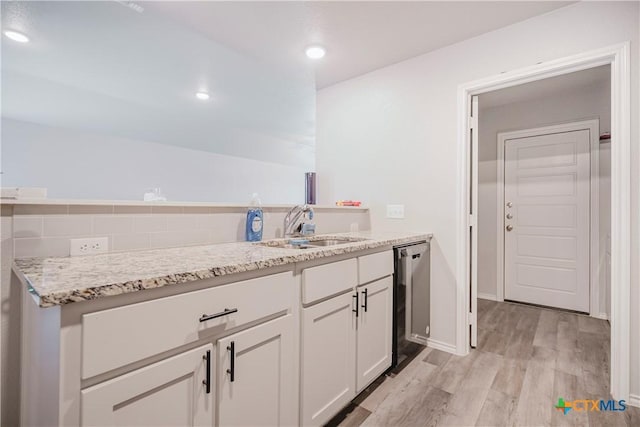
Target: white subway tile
x,y
183,222
6,228
27,226
227,234
206,221
130,242
118,224
149,223
40,209
70,226
131,209
53,246
168,239
90,209
196,237
167,209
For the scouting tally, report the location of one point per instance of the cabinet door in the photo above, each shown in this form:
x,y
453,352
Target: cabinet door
x,y
374,336
168,393
256,370
328,358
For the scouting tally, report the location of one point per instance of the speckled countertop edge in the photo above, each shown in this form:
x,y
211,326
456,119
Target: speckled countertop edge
x,y
64,280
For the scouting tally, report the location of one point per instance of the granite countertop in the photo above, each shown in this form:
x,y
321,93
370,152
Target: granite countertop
x,y
65,280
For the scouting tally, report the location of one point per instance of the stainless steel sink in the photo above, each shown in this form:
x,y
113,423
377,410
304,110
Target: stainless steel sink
x,y
286,245
314,242
330,242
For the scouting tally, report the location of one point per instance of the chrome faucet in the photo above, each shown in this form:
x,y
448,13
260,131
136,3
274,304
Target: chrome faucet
x,y
292,217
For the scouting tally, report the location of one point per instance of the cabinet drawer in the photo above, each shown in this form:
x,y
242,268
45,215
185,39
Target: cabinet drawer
x,y
329,279
373,267
118,336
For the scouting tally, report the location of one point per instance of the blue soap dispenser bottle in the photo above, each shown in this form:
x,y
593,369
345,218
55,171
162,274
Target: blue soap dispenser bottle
x,y
255,221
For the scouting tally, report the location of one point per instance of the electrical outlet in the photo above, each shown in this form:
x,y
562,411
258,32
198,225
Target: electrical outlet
x,y
395,211
89,246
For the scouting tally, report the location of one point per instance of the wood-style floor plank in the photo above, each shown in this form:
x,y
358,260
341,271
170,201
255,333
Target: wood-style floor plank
x,y
437,357
527,357
451,374
547,330
510,377
465,405
498,410
536,399
392,384
416,403
354,416
567,386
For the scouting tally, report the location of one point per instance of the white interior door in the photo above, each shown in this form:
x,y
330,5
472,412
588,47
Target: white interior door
x,y
547,214
473,222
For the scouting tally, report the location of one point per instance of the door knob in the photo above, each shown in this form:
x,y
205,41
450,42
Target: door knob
x,y
509,204
509,216
509,227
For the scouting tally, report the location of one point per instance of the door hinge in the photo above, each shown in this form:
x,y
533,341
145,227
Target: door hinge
x,y
473,122
471,318
472,220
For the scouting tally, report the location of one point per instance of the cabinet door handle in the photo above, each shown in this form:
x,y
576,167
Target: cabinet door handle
x,y
232,361
357,305
226,311
207,381
364,299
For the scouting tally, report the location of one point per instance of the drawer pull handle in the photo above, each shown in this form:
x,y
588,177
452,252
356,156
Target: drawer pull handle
x,y
357,304
226,311
364,299
207,381
232,361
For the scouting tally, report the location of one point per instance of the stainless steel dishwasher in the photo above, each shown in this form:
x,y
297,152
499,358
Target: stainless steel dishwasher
x,y
412,300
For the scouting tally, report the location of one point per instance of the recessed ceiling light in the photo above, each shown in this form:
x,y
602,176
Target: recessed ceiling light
x,y
315,52
202,95
16,36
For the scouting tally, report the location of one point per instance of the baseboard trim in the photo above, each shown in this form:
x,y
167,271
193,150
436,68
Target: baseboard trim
x,y
634,400
602,316
490,297
443,346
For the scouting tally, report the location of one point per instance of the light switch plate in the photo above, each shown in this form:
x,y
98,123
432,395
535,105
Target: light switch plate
x,y
395,211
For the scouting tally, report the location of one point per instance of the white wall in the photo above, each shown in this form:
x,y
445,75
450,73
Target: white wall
x,y
390,136
589,102
86,165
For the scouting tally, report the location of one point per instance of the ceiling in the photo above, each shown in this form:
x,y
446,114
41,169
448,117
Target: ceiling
x,y
547,87
102,68
105,68
359,36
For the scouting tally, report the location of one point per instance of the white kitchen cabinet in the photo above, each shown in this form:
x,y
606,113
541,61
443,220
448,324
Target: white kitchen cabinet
x,y
167,393
328,368
126,334
374,331
257,382
346,340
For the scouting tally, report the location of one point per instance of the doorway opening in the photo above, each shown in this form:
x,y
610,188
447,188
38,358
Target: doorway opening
x,y
519,150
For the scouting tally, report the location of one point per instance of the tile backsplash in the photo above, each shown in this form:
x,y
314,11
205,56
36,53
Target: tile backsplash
x,y
46,230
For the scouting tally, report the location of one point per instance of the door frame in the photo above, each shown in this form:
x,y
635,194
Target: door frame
x,y
618,56
593,126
